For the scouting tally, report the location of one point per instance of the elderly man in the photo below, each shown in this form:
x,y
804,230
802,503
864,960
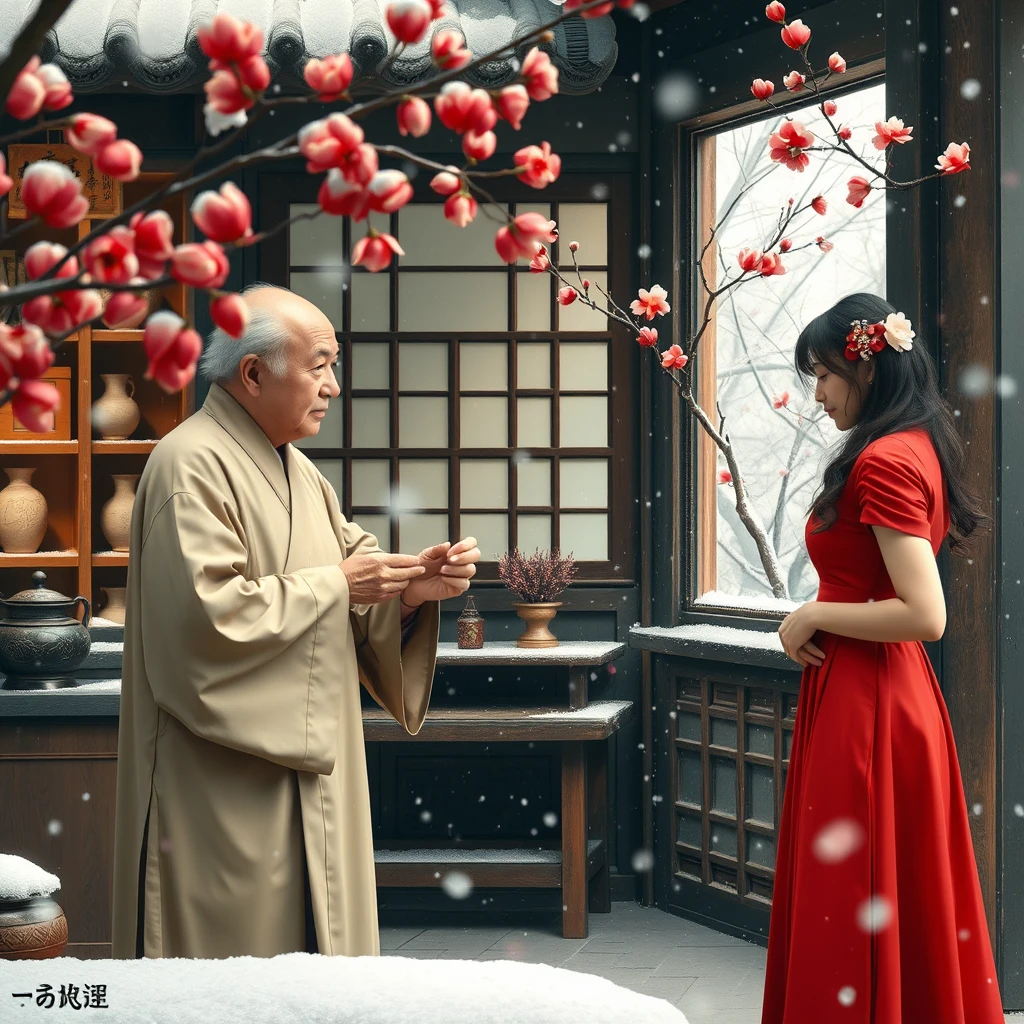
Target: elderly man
x,y
254,610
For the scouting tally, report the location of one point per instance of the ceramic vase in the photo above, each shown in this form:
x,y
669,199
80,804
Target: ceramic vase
x,y
22,514
32,929
537,617
113,608
115,414
116,517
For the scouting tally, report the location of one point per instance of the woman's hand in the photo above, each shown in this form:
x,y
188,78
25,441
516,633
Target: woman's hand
x,y
796,631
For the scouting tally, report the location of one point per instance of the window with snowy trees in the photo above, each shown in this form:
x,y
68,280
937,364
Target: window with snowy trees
x,y
781,435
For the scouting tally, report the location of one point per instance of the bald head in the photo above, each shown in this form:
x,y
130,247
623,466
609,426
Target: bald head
x,y
282,371
279,324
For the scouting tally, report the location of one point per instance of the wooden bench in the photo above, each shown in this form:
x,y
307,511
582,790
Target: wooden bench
x,y
580,865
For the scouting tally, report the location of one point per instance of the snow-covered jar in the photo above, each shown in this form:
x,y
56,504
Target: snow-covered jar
x,y
32,926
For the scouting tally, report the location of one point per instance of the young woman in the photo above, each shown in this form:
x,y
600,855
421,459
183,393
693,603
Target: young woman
x,y
877,916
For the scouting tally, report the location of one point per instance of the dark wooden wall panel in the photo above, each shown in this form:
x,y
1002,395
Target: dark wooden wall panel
x,y
59,784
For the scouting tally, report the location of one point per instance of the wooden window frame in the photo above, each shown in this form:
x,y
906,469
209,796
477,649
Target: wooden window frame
x,y
278,190
697,548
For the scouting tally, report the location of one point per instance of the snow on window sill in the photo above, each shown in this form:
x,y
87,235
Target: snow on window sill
x,y
714,643
760,603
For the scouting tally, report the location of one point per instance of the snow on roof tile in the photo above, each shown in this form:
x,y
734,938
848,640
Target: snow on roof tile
x,y
151,44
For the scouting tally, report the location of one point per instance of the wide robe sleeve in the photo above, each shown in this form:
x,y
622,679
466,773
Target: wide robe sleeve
x,y
398,677
251,664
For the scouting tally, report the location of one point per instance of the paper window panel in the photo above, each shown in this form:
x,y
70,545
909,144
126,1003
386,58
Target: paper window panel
x,y
324,288
460,303
533,302
317,242
371,301
533,365
422,483
483,483
483,422
533,483
579,317
431,241
583,366
534,533
483,366
585,534
583,422
377,524
371,366
419,530
586,223
490,531
533,423
422,422
371,483
583,483
371,422
423,365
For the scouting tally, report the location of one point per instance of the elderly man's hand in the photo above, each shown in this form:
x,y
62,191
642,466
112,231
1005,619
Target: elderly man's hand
x,y
449,568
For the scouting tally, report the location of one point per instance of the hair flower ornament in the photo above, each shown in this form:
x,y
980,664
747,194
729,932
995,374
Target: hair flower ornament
x,y
865,339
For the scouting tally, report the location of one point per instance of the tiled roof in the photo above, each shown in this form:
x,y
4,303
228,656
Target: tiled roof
x,y
151,44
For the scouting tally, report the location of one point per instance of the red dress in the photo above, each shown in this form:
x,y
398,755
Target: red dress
x,y
877,916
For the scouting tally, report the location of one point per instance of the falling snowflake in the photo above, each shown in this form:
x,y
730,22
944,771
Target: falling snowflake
x,y
836,841
551,819
970,89
457,885
676,96
964,934
86,797
54,827
847,995
643,860
874,914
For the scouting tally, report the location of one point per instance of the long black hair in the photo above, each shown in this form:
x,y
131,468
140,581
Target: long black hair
x,y
904,395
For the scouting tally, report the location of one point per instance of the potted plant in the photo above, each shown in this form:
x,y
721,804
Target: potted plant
x,y
536,580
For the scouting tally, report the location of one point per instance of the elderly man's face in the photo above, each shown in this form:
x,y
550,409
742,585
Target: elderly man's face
x,y
292,406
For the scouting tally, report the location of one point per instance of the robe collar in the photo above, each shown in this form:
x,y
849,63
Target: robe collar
x,y
223,408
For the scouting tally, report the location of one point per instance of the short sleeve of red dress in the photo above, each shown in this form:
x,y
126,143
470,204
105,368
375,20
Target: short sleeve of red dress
x,y
892,488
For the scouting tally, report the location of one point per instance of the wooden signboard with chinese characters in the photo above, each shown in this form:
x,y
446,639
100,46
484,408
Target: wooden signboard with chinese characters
x,y
102,191
12,430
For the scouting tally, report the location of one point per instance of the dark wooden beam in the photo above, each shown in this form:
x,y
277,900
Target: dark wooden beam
x,y
968,261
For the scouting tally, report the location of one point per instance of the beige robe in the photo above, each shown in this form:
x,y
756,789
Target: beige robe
x,y
241,738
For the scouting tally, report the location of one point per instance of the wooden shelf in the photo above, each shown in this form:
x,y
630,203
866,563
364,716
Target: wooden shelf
x,y
38,447
129,447
38,560
126,335
110,558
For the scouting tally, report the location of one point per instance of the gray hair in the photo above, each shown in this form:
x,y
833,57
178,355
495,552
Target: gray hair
x,y
266,337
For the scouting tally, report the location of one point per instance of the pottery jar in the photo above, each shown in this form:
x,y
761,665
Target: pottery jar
x,y
22,514
32,929
115,414
116,517
113,609
41,640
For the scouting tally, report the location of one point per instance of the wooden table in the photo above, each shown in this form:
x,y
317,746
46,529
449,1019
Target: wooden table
x,y
580,867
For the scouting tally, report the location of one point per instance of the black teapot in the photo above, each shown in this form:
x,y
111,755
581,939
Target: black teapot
x,y
41,642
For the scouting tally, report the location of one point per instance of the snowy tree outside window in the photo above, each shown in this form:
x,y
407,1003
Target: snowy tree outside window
x,y
781,435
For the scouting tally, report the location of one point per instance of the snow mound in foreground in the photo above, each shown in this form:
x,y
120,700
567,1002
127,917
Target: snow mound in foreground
x,y
300,988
